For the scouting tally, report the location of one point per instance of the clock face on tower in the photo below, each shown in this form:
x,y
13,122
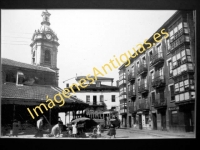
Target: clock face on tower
x,y
48,36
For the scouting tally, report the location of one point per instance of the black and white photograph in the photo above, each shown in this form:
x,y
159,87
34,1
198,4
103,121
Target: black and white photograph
x,y
98,74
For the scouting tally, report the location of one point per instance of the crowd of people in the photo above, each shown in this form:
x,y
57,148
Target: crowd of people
x,y
57,129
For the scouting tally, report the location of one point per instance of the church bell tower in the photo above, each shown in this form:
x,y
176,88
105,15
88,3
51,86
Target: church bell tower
x,y
44,46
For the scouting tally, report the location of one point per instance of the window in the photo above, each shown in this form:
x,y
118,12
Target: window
x,y
145,82
159,51
101,98
153,97
47,56
185,24
180,26
138,64
182,97
152,76
132,70
138,82
10,77
150,55
160,71
168,44
187,96
20,78
34,53
190,66
176,87
174,62
170,67
133,87
174,117
181,86
94,100
172,92
87,98
162,96
144,60
129,88
177,98
113,98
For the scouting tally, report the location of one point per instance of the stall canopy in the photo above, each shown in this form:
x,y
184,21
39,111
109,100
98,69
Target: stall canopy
x,y
34,95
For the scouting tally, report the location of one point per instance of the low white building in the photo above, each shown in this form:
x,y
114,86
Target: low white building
x,y
101,93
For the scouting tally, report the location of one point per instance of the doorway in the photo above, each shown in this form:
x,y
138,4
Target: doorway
x,y
130,120
140,121
189,122
163,120
154,117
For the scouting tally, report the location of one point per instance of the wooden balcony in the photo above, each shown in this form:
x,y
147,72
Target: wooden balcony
x,y
131,77
122,83
131,109
157,59
160,103
158,82
144,106
143,89
142,69
132,94
178,40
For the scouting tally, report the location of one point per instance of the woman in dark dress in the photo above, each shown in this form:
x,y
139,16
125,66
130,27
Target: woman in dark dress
x,y
112,130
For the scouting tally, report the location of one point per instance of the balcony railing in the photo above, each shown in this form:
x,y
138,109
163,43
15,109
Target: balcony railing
x,y
142,69
157,59
158,82
143,88
160,103
131,77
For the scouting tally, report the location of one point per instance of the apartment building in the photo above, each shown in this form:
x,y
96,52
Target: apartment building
x,y
160,82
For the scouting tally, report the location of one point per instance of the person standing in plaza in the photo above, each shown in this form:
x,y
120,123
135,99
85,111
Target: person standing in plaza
x,y
112,130
74,129
15,128
39,132
98,130
57,129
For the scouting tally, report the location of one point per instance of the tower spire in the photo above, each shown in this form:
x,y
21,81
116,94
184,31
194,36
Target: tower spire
x,y
45,16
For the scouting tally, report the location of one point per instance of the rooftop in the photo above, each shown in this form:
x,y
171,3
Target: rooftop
x,y
94,87
35,93
98,78
14,63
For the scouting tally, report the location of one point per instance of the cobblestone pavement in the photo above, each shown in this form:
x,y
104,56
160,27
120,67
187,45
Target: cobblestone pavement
x,y
123,134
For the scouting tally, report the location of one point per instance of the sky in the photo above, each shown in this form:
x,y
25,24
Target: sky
x,y
88,38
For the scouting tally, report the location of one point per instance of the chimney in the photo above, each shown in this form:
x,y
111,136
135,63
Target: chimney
x,y
67,85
